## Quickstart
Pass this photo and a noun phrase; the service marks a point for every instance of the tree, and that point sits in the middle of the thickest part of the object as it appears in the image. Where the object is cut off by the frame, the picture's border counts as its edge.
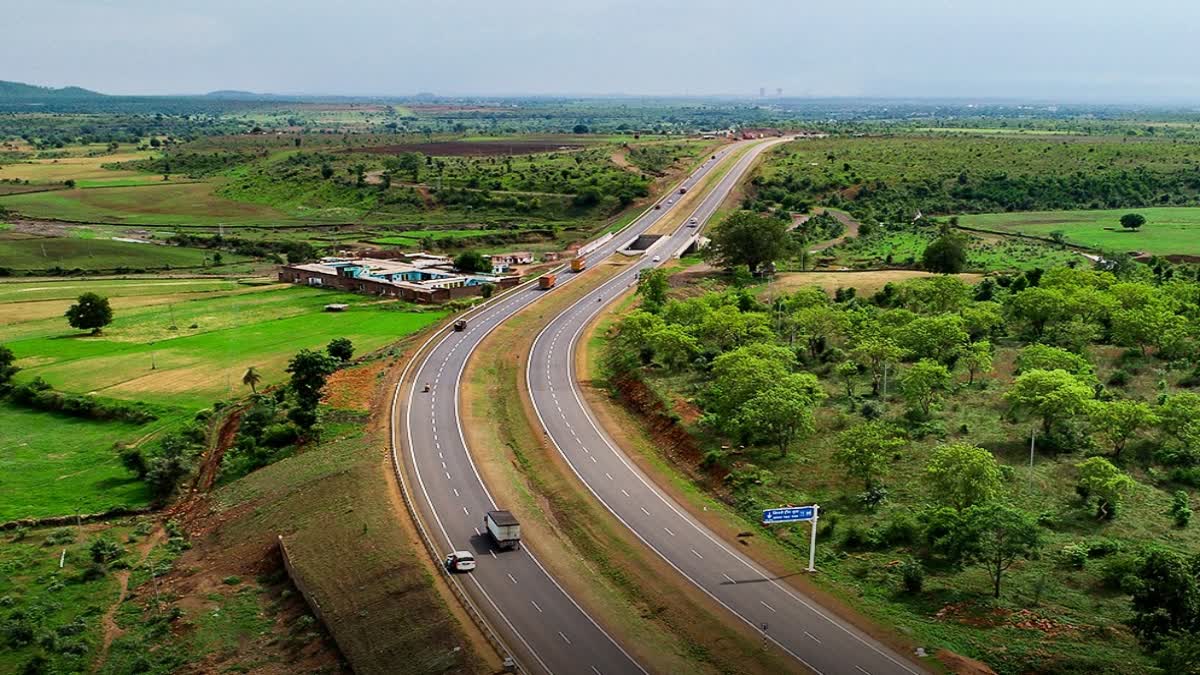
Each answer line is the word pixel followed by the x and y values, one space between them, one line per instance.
pixel 749 239
pixel 471 262
pixel 309 371
pixel 1117 421
pixel 1132 221
pixel 848 371
pixel 359 171
pixel 652 286
pixel 1147 325
pixel 999 535
pixel 1166 598
pixel 673 346
pixel 580 129
pixel 866 450
pixel 945 255
pixel 1037 307
pixel 90 312
pixel 782 411
pixel 962 475
pixel 923 384
pixel 1045 357
pixel 1049 394
pixel 7 369
pixel 340 348
pixel 876 355
pixel 487 290
pixel 1100 479
pixel 940 338
pixel 405 162
pixel 978 359
pixel 251 378
pixel 326 171
pixel 739 375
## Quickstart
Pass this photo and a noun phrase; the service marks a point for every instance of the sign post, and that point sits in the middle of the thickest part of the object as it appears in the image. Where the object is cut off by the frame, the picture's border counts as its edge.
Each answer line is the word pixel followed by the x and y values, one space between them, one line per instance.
pixel 798 514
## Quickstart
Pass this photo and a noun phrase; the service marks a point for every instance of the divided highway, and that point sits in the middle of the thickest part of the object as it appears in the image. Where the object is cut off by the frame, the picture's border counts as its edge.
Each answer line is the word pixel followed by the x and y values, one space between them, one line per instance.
pixel 544 627
pixel 815 637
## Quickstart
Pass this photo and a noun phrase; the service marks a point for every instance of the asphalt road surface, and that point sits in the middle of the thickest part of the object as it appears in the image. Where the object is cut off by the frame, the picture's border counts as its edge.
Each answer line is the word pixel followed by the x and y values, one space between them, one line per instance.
pixel 814 636
pixel 544 627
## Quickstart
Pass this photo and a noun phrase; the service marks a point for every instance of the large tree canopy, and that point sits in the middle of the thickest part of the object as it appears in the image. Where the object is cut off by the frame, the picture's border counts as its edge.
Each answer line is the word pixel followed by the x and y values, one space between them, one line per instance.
pixel 749 239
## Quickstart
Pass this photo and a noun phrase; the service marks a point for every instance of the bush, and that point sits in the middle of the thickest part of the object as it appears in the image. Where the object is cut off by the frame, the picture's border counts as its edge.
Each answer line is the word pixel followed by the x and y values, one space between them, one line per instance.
pixel 37 393
pixel 61 536
pixel 1119 378
pixel 912 575
pixel 280 435
pixel 872 410
pixel 1101 548
pixel 902 530
pixel 873 496
pixel 1074 556
pixel 1119 573
pixel 1181 508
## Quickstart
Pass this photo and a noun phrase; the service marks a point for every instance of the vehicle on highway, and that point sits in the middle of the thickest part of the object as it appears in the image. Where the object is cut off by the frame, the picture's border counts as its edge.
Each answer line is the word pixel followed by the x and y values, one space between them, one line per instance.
pixel 683 191
pixel 670 201
pixel 656 259
pixel 504 529
pixel 460 561
pixel 460 325
pixel 693 222
pixel 657 206
pixel 578 264
pixel 547 281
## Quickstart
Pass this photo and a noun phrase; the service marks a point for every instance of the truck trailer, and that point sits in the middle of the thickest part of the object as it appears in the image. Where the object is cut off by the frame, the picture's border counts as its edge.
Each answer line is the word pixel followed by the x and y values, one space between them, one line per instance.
pixel 578 264
pixel 504 529
pixel 546 281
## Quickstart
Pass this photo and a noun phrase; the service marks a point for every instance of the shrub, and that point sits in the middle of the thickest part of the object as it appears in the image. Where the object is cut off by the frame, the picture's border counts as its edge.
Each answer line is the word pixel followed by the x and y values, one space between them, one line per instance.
pixel 105 550
pixel 280 435
pixel 1119 378
pixel 873 496
pixel 60 536
pixel 232 580
pixel 1074 556
pixel 1119 573
pixel 1101 548
pixel 902 530
pixel 872 410
pixel 912 575
pixel 1181 508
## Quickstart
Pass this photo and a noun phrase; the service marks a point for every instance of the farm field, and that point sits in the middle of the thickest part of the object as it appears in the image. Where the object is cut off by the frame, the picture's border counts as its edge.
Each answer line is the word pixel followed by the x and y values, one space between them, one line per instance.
pixel 85 171
pixel 1168 230
pixel 153 204
pixel 58 465
pixel 140 357
pixel 40 253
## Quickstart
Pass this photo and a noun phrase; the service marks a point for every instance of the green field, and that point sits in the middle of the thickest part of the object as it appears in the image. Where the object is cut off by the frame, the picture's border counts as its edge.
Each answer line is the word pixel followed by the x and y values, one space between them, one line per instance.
pixel 41 253
pixel 140 357
pixel 153 204
pixel 1168 230
pixel 58 465
pixel 984 254
pixel 415 237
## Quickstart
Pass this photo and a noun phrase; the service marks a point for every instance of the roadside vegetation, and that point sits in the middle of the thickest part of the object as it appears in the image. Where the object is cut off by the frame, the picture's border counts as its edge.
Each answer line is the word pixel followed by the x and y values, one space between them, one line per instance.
pixel 919 404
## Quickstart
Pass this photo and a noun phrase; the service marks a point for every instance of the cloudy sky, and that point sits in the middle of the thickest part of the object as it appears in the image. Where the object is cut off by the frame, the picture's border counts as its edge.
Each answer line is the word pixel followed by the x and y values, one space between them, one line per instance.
pixel 1096 50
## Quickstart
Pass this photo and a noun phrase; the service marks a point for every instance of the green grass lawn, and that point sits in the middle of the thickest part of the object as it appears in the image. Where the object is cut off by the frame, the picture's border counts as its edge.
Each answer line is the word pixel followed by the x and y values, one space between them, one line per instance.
pixel 1168 230
pixel 57 465
pixel 43 253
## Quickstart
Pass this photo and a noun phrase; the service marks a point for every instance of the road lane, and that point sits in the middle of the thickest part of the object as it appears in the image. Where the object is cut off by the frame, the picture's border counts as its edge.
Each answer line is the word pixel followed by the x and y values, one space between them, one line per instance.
pixel 814 637
pixel 546 630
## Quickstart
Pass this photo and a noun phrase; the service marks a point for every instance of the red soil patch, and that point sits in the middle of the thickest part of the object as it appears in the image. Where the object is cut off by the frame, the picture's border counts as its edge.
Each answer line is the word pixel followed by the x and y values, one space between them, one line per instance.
pixel 352 388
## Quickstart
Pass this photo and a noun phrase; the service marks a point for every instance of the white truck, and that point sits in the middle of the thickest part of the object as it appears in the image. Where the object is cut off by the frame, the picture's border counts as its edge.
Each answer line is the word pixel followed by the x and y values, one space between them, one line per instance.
pixel 504 529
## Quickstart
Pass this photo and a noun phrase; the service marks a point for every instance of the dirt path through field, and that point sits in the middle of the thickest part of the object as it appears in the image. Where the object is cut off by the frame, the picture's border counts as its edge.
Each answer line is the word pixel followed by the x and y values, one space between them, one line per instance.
pixel 111 630
pixel 850 224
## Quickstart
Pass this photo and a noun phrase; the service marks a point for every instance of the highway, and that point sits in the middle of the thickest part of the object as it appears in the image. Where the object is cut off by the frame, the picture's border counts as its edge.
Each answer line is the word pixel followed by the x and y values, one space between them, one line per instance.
pixel 815 637
pixel 545 629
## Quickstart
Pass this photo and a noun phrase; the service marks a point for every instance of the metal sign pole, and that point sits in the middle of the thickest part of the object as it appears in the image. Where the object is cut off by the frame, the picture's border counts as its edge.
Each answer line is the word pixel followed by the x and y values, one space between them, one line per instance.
pixel 812 542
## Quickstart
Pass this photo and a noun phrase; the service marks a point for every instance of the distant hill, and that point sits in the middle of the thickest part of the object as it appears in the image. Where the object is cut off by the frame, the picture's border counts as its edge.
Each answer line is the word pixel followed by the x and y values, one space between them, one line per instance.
pixel 19 90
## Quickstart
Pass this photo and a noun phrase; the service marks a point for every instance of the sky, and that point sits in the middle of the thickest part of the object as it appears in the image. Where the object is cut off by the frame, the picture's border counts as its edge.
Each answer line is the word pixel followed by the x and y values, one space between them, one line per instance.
pixel 1061 50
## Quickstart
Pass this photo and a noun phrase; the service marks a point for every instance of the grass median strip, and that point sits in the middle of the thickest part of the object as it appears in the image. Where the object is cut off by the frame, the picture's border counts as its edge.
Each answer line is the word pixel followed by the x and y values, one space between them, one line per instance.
pixel 664 621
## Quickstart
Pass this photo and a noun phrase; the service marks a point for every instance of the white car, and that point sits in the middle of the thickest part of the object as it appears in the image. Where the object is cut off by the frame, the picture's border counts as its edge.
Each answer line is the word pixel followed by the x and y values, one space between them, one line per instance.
pixel 670 201
pixel 656 259
pixel 460 561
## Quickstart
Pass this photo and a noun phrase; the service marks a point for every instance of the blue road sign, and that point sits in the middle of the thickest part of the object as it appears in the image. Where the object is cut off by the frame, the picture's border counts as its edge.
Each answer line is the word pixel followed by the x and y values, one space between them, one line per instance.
pixel 790 514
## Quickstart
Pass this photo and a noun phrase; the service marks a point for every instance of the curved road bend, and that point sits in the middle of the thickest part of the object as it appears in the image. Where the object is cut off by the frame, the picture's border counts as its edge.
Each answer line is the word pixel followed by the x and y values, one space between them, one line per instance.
pixel 814 636
pixel 545 628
